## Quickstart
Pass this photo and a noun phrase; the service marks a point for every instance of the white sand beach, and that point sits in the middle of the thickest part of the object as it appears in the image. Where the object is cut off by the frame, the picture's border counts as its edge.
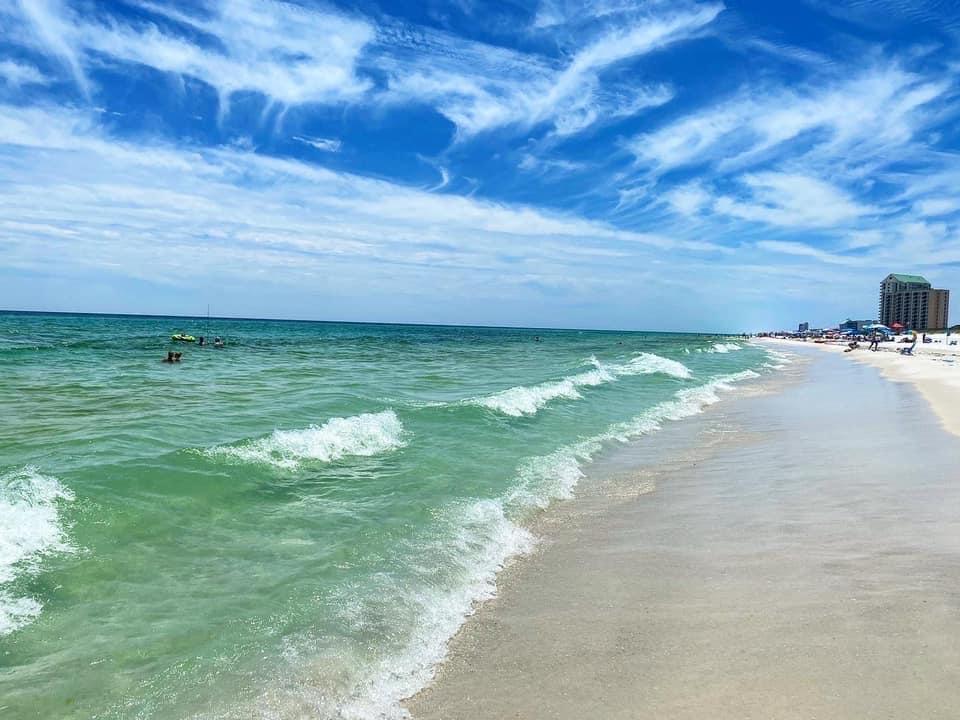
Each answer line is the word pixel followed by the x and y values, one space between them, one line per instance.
pixel 933 369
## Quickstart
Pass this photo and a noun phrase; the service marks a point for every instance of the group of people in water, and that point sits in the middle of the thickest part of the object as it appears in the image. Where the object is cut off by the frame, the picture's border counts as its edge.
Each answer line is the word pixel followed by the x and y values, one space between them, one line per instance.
pixel 175 357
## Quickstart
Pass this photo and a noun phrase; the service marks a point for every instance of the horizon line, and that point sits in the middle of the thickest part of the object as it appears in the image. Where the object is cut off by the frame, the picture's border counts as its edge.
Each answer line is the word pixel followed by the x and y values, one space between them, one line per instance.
pixel 352 322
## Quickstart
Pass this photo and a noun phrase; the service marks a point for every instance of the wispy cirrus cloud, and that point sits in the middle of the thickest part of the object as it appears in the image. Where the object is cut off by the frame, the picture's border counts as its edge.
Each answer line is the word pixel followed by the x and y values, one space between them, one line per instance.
pixel 794 201
pixel 937 206
pixel 152 211
pixel 322 144
pixel 288 53
pixel 855 120
pixel 274 49
pixel 480 88
pixel 17 74
pixel 44 23
pixel 850 160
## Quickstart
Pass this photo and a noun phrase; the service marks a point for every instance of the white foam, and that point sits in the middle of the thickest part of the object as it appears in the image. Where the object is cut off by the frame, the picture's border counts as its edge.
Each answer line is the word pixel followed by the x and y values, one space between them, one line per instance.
pixel 30 527
pixel 724 347
pixel 522 400
pixel 781 360
pixel 359 435
pixel 527 400
pixel 477 539
pixel 543 479
pixel 648 364
pixel 460 559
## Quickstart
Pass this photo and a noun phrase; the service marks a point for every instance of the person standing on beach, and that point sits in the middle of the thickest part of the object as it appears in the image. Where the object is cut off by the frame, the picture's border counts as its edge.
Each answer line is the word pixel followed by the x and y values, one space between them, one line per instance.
pixel 875 341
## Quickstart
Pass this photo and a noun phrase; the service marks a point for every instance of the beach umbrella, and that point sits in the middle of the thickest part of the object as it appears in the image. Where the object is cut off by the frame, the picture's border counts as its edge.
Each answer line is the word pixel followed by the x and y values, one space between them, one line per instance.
pixel 877 326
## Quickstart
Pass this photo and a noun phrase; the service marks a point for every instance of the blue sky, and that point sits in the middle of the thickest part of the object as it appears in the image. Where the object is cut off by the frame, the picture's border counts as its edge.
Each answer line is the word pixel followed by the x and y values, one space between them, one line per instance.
pixel 647 165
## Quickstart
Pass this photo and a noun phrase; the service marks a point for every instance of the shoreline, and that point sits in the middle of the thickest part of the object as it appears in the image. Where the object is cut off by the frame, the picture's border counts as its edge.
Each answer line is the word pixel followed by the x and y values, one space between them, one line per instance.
pixel 933 371
pixel 626 610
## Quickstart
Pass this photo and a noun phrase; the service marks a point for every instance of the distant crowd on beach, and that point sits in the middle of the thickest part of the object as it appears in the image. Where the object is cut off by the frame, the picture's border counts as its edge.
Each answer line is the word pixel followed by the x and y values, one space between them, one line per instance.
pixel 904 343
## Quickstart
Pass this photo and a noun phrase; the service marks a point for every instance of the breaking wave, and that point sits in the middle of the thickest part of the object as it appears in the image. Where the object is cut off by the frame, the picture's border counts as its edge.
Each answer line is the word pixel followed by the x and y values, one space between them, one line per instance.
pixel 528 399
pixel 721 348
pixel 30 527
pixel 359 435
pixel 543 479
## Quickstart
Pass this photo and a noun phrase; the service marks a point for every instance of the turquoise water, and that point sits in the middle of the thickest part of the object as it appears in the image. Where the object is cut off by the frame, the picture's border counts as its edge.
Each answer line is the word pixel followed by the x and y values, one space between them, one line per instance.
pixel 294 525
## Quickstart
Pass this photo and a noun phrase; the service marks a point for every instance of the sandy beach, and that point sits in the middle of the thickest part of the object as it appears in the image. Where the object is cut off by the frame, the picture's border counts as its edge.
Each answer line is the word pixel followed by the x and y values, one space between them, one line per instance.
pixel 933 369
pixel 788 554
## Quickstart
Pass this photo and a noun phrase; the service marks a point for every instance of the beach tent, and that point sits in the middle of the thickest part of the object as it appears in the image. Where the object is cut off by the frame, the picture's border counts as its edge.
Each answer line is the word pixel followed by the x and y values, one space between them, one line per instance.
pixel 897 327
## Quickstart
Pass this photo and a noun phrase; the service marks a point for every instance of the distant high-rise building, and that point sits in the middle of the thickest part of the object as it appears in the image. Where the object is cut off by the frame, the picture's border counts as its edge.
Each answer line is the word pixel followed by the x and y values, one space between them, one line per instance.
pixel 910 301
pixel 803 327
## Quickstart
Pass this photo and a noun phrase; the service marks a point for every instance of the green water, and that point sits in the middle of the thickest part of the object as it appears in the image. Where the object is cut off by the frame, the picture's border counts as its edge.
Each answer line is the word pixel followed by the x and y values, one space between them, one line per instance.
pixel 293 525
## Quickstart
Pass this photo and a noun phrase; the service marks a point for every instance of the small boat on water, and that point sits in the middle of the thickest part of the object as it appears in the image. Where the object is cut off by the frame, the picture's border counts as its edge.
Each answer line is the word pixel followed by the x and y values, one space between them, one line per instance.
pixel 182 337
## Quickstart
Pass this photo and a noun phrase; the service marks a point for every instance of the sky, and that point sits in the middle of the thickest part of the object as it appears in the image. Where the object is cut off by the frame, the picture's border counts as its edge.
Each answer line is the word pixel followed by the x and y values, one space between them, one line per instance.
pixel 655 164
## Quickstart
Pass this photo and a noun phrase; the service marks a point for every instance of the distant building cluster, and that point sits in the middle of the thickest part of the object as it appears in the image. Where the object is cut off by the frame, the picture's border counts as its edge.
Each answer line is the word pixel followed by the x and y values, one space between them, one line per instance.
pixel 907 303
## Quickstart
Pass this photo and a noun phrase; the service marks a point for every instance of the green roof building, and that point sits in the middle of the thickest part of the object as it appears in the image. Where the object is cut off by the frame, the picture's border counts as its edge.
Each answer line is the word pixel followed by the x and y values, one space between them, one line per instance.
pixel 910 301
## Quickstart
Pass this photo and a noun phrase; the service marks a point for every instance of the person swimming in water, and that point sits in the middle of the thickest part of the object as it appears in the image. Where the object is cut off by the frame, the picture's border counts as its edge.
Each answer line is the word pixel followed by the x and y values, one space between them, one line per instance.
pixel 177 356
pixel 169 357
pixel 218 342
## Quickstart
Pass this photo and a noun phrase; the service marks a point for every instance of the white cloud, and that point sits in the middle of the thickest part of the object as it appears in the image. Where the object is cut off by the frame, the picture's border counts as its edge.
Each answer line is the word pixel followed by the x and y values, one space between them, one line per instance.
pixel 687 199
pixel 45 20
pixel 480 88
pixel 17 74
pixel 865 239
pixel 323 144
pixel 77 201
pixel 533 163
pixel 857 120
pixel 288 53
pixel 293 55
pixel 937 206
pixel 793 201
pixel 803 250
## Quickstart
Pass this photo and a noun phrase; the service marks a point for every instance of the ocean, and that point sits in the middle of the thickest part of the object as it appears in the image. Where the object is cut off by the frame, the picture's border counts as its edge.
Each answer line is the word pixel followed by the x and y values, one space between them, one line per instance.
pixel 293 525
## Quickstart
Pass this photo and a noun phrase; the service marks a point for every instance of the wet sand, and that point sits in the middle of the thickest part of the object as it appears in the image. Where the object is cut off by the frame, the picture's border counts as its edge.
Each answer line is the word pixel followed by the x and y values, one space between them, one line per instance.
pixel 798 556
pixel 933 369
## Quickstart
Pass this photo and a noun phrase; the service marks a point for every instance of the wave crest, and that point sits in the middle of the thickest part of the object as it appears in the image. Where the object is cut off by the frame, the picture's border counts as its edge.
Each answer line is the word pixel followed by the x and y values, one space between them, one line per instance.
pixel 648 364
pixel 359 435
pixel 528 399
pixel 721 348
pixel 545 478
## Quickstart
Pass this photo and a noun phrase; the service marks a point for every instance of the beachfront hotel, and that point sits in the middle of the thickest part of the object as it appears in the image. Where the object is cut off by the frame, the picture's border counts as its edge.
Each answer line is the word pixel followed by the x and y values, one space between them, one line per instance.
pixel 913 303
